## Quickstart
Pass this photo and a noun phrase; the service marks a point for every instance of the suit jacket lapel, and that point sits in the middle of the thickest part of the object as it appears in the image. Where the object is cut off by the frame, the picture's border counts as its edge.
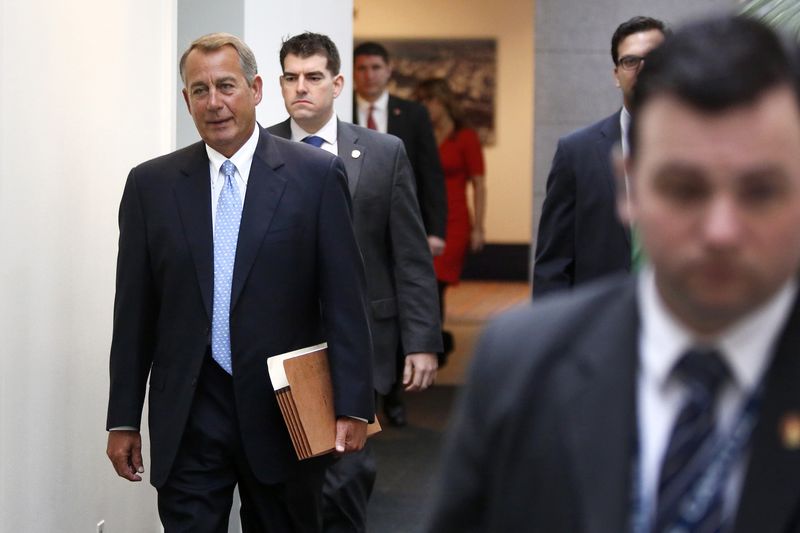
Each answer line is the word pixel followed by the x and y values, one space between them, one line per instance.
pixel 351 153
pixel 610 134
pixel 771 493
pixel 600 405
pixel 394 119
pixel 282 129
pixel 264 191
pixel 193 195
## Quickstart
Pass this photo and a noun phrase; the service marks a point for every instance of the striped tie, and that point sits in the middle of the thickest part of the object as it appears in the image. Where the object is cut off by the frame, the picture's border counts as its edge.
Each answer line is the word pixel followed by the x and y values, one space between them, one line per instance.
pixel 690 448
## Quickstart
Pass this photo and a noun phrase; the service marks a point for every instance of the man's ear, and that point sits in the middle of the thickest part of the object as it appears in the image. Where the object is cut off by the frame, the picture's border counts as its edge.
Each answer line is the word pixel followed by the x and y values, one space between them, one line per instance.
pixel 186 99
pixel 256 88
pixel 338 85
pixel 625 186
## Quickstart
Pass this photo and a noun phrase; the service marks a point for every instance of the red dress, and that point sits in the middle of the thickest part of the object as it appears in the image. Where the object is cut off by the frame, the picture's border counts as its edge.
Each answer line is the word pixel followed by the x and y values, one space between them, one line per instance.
pixel 461 158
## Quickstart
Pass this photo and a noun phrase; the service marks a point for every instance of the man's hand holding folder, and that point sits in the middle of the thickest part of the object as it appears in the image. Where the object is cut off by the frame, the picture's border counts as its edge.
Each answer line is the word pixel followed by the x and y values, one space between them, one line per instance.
pixel 302 383
pixel 351 435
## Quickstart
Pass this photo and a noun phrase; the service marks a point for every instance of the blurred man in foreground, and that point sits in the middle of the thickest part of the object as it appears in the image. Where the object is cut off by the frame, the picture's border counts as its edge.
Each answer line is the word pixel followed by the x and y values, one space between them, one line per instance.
pixel 667 401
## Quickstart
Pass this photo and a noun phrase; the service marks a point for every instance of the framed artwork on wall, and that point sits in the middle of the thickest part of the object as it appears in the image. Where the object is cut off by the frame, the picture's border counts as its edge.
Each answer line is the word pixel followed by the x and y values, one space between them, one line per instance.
pixel 469 66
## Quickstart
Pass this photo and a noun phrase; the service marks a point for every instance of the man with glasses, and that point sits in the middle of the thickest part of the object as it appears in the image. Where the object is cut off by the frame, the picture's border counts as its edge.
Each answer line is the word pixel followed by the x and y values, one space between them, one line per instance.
pixel 580 236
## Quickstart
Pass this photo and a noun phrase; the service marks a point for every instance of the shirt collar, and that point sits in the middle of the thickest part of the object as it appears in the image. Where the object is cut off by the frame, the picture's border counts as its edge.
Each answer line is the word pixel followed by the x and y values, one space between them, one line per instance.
pixel 242 159
pixel 624 126
pixel 747 346
pixel 381 104
pixel 328 132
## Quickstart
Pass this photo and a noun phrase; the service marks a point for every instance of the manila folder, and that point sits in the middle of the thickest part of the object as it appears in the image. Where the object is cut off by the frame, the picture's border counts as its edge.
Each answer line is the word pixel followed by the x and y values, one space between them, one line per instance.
pixel 302 382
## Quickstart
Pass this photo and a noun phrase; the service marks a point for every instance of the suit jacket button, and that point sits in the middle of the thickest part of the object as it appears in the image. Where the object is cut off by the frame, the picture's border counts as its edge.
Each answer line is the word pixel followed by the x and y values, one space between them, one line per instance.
pixel 194 382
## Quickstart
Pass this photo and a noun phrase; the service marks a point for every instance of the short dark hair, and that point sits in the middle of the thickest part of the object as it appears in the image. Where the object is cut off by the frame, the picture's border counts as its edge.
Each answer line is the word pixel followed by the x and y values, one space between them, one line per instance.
pixel 631 26
pixel 308 44
pixel 714 65
pixel 371 48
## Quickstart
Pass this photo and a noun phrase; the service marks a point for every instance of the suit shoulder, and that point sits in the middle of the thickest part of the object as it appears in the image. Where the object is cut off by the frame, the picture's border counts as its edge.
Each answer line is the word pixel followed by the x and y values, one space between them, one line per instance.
pixel 172 160
pixel 408 106
pixel 585 133
pixel 280 129
pixel 536 331
pixel 367 136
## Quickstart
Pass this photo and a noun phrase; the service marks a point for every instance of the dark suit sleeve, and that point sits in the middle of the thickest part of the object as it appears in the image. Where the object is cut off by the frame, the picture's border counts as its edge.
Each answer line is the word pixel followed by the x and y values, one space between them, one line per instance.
pixel 554 267
pixel 430 182
pixel 464 488
pixel 342 291
pixel 135 314
pixel 418 306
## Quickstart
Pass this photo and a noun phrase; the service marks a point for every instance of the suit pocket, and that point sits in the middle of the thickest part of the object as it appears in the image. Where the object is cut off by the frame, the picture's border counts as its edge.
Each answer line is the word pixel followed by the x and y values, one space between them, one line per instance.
pixel 283 234
pixel 385 308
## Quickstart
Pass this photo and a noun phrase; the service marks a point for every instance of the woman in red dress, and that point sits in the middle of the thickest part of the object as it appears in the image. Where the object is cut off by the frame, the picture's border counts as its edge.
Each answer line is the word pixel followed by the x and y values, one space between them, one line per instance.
pixel 462 162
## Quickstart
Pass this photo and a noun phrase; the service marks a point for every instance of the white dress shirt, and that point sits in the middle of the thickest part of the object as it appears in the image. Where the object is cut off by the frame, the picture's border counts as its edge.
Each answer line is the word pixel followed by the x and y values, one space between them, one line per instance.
pixel 242 159
pixel 380 111
pixel 747 348
pixel 328 133
pixel 624 126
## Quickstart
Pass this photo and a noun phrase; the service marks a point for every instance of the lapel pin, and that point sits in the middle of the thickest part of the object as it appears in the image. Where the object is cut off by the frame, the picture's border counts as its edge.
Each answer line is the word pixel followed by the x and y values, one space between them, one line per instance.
pixel 355 154
pixel 790 431
pixel 396 111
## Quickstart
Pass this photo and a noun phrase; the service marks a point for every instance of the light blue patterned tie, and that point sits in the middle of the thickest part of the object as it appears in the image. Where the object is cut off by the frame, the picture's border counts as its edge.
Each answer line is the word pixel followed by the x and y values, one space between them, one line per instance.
pixel 226 233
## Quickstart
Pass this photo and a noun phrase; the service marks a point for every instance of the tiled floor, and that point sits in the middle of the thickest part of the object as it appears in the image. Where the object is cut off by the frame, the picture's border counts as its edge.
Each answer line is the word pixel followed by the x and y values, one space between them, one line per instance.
pixel 468 306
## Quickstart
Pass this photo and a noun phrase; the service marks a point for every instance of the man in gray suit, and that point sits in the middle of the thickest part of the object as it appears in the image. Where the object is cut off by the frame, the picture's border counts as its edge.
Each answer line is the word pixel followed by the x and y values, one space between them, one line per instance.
pixel 401 284
pixel 666 401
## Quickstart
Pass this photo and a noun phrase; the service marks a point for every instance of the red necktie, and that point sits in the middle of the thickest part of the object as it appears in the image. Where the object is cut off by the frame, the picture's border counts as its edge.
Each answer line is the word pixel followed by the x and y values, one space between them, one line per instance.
pixel 371 120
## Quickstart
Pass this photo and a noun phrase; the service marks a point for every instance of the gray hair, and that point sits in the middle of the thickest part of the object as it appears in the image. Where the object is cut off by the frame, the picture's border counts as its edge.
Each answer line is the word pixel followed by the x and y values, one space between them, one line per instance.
pixel 215 41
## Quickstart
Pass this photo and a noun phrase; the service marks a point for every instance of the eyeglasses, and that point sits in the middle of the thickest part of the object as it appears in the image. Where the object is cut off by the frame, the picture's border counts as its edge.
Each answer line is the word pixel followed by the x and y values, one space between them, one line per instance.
pixel 630 62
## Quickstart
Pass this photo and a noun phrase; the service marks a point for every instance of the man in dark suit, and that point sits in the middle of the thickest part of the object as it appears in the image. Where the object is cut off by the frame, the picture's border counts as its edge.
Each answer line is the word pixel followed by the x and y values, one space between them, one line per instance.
pixel 401 285
pixel 231 250
pixel 666 401
pixel 580 236
pixel 376 109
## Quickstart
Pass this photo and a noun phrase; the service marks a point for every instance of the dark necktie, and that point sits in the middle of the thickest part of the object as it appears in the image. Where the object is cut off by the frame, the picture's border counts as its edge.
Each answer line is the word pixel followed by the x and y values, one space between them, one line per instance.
pixel 371 124
pixel 689 450
pixel 313 140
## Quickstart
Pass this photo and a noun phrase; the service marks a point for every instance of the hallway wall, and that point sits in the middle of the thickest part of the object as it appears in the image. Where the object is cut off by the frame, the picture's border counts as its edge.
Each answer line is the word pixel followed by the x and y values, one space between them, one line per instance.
pixel 85 93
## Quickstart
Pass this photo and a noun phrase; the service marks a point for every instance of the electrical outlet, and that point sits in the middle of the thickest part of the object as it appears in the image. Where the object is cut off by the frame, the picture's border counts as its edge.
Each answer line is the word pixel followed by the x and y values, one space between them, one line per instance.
pixel 101 526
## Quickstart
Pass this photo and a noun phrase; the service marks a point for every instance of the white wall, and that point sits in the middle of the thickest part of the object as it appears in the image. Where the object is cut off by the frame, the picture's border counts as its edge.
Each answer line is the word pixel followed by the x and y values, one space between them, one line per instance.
pixel 85 93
